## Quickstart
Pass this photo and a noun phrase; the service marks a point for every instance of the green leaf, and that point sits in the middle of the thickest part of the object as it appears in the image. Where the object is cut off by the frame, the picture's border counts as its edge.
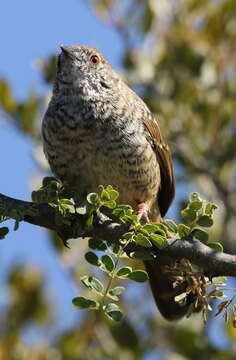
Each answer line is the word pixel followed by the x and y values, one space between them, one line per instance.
pixel 47 180
pixel 189 215
pixel 124 272
pixel 183 230
pixel 159 240
pixel 151 228
pixel 114 248
pixel 142 240
pixel 108 262
pixel 97 244
pixel 54 185
pixel 219 280
pixel 195 205
pixel 200 235
pixel 68 205
pixel 3 232
pixel 216 246
pixel 129 236
pixel 221 306
pixel 113 312
pixel 89 221
pixel 141 255
pixel 92 198
pixel 154 228
pixel 66 202
pixel 194 196
pixel 205 221
pixel 131 219
pixel 81 210
pixel 104 195
pixel 209 209
pixel 138 275
pixel 92 283
pixel 116 292
pixel 113 194
pixel 171 226
pixel 122 210
pixel 108 188
pixel 92 258
pixel 85 303
pixel 162 230
pixel 218 295
pixel 111 204
pixel 140 229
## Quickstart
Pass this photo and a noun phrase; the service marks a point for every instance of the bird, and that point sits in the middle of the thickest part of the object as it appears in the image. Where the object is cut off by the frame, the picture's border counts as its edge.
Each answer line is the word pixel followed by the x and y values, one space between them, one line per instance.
pixel 98 131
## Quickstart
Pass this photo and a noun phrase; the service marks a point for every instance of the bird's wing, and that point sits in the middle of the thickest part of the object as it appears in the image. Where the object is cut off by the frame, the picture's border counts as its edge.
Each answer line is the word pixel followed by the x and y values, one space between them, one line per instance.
pixel 167 188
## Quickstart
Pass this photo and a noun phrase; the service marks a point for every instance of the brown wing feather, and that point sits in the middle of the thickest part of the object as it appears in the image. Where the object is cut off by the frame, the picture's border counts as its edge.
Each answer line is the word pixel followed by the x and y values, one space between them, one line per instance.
pixel 161 283
pixel 167 189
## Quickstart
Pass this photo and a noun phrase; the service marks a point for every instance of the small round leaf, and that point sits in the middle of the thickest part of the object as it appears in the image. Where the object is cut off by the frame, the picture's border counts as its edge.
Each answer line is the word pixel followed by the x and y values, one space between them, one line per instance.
pixel 92 283
pixel 92 258
pixel 171 226
pixel 138 275
pixel 3 232
pixel 108 262
pixel 113 194
pixel 215 246
pixel 200 235
pixel 189 215
pixel 205 221
pixel 195 205
pixel 194 196
pixel 159 240
pixel 92 198
pixel 183 230
pixel 142 240
pixel 85 303
pixel 124 272
pixel 209 208
pixel 116 292
pixel 97 244
pixel 113 312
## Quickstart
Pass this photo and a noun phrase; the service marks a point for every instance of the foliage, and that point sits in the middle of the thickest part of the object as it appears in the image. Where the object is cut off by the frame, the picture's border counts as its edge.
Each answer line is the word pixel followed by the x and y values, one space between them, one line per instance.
pixel 197 215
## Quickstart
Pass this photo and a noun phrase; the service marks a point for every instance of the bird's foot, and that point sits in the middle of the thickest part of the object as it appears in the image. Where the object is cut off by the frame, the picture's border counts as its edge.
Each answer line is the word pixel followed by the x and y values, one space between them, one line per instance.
pixel 142 210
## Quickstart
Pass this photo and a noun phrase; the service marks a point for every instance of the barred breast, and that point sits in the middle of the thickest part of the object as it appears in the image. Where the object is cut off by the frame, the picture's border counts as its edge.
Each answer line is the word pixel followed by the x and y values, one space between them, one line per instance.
pixel 84 153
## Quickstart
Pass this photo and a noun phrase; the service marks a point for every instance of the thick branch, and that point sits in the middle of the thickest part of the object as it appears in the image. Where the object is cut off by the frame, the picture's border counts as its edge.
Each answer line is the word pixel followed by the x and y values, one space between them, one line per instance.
pixel 215 263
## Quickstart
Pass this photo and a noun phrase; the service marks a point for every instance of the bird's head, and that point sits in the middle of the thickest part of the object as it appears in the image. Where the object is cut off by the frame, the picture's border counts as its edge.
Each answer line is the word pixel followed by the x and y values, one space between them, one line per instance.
pixel 84 68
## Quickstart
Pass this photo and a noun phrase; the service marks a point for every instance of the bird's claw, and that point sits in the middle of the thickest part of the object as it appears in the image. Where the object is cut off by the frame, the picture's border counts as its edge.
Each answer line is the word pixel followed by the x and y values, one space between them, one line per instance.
pixel 142 210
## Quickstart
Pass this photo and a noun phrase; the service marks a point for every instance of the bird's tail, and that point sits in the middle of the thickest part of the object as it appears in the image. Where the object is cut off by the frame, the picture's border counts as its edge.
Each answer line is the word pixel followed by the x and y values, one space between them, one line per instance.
pixel 164 290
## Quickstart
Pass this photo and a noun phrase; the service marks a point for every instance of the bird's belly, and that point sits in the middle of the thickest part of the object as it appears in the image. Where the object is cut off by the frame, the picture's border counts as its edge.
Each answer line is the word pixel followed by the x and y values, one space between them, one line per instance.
pixel 130 167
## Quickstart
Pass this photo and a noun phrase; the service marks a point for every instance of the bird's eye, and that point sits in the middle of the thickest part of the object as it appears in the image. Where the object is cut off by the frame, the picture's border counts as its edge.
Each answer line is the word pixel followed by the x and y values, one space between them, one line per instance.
pixel 94 59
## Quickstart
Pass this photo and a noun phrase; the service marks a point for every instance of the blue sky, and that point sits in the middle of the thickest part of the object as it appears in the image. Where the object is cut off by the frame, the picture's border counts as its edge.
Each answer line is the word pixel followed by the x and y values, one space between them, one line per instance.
pixel 33 30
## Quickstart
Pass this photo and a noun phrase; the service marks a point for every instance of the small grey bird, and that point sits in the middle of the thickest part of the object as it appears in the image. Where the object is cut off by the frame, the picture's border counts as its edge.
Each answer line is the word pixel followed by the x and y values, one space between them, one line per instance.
pixel 97 131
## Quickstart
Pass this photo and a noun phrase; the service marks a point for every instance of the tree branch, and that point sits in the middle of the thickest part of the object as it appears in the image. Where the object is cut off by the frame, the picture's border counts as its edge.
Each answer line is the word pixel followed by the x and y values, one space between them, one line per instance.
pixel 212 262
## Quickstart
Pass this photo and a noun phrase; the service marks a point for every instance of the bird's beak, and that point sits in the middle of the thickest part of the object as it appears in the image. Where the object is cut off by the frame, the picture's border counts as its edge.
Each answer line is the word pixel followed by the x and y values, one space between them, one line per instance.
pixel 67 51
pixel 64 49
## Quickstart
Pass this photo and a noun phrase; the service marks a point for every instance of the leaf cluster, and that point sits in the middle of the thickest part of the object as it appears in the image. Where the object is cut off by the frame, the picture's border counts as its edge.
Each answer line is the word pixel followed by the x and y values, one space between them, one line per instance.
pixel 108 263
pixel 149 237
